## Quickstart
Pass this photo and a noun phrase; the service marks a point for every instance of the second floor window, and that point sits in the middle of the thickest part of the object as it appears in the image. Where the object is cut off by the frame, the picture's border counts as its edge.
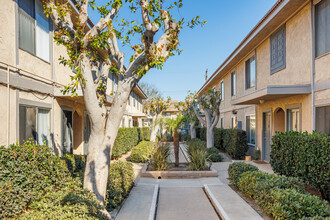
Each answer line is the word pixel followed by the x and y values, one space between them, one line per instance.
pixel 233 83
pixel 222 90
pixel 250 73
pixel 277 50
pixel 134 100
pixel 322 28
pixel 34 28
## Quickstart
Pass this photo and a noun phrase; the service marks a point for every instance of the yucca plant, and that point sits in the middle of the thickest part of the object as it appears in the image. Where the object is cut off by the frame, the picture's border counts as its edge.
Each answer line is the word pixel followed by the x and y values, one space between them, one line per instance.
pixel 198 159
pixel 160 158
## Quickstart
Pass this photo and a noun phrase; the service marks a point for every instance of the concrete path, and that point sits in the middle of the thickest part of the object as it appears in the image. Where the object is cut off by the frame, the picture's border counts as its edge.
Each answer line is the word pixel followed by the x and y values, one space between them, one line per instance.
pixel 182 158
pixel 184 203
pixel 141 203
pixel 230 204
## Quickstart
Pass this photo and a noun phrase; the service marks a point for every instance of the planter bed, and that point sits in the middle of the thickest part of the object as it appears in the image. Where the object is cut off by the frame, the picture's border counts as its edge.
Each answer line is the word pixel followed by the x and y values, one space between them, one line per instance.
pixel 177 173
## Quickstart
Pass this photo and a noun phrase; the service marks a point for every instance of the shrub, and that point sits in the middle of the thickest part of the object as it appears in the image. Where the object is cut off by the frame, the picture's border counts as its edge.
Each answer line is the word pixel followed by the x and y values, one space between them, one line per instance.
pixel 235 142
pixel 203 134
pixel 141 152
pixel 218 138
pixel 126 139
pixel 195 144
pixel 257 154
pixel 160 157
pixel 236 169
pixel 305 156
pixel 184 137
pixel 120 181
pixel 197 159
pixel 279 196
pixel 144 134
pixel 33 178
pixel 213 155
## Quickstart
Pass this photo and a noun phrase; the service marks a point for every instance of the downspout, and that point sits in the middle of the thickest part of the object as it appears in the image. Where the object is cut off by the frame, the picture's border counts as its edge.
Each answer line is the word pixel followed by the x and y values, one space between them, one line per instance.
pixel 313 63
pixel 8 104
pixel 52 136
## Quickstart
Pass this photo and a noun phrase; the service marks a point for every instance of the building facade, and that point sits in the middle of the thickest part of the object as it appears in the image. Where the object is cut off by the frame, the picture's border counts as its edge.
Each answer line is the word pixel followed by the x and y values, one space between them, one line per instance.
pixel 32 79
pixel 278 78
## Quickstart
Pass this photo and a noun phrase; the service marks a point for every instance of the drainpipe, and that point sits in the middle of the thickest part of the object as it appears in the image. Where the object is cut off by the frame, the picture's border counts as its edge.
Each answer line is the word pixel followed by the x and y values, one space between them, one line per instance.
pixel 8 105
pixel 313 63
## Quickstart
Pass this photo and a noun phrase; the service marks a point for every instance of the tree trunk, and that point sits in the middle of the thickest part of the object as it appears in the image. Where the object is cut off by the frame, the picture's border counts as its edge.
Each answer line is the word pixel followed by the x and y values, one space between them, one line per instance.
pixel 209 137
pixel 154 130
pixel 192 130
pixel 176 147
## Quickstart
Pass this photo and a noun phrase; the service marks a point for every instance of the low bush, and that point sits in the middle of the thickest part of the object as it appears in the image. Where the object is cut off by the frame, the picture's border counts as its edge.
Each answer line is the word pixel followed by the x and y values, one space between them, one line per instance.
pixel 213 155
pixel 305 156
pixel 195 144
pixel 235 142
pixel 196 151
pixel 35 183
pixel 257 154
pixel 160 157
pixel 120 181
pixel 184 137
pixel 126 139
pixel 144 134
pixel 141 152
pixel 279 196
pixel 236 169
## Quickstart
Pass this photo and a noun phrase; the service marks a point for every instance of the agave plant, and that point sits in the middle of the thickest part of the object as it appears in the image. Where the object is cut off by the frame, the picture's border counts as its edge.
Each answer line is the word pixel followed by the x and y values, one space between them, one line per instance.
pixel 160 157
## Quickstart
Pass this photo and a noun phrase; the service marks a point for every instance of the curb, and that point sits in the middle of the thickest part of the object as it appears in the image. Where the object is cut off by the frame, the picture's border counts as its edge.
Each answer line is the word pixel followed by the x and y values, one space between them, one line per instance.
pixel 153 207
pixel 215 203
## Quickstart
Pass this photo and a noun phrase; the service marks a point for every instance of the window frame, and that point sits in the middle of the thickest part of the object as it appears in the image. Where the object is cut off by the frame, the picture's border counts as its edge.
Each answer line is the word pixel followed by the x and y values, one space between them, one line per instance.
pixel 233 87
pixel 275 37
pixel 248 62
pixel 317 108
pixel 316 40
pixel 287 119
pixel 255 128
pixel 222 90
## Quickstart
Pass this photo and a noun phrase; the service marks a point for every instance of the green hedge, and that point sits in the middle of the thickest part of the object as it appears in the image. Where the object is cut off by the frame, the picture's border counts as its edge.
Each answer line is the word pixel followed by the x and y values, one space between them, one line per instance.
pixel 305 156
pixel 184 137
pixel 235 142
pixel 126 139
pixel 235 170
pixel 218 138
pixel 279 196
pixel 36 184
pixel 144 134
pixel 141 152
pixel 213 155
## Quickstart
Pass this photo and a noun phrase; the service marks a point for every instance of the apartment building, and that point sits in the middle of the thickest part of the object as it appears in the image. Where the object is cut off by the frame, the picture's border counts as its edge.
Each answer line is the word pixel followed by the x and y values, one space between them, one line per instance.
pixel 278 78
pixel 31 80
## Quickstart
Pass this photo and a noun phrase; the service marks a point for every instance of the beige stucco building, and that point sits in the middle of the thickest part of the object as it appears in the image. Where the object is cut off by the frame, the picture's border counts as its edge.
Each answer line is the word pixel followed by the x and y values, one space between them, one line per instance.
pixel 278 78
pixel 31 80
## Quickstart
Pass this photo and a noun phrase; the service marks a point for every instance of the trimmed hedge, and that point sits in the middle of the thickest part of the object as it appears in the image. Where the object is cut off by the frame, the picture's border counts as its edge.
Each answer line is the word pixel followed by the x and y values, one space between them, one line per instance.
pixel 141 152
pixel 36 184
pixel 184 137
pixel 235 142
pixel 305 156
pixel 279 196
pixel 144 134
pixel 126 139
pixel 213 155
pixel 235 170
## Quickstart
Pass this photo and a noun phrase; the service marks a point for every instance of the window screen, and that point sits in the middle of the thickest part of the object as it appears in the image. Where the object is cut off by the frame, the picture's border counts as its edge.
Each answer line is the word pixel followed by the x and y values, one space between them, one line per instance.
pixel 251 129
pixel 323 119
pixel 277 50
pixel 27 124
pixel 322 27
pixel 250 73
pixel 233 83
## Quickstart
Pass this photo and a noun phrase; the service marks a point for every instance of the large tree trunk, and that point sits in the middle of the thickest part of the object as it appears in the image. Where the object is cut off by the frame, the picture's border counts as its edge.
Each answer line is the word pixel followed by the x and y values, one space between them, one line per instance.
pixel 154 130
pixel 176 147
pixel 192 130
pixel 209 137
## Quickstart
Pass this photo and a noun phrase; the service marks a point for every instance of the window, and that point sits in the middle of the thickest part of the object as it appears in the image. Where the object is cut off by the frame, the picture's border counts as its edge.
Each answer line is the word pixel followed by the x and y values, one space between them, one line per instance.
pixel 34 123
pixel 322 28
pixel 277 50
pixel 221 122
pixel 250 73
pixel 293 119
pixel 323 119
pixel 114 82
pixel 222 90
pixel 251 129
pixel 129 99
pixel 234 122
pixel 123 123
pixel 134 99
pixel 233 83
pixel 34 28
pixel 129 122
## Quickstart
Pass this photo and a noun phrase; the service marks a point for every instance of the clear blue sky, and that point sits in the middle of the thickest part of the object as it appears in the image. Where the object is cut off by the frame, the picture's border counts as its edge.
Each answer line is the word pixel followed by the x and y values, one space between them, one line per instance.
pixel 228 22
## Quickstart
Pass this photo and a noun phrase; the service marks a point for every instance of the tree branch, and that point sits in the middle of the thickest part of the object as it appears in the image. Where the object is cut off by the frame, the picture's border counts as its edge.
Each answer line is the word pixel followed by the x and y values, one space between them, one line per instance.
pixel 198 116
pixel 100 26
pixel 83 14
pixel 151 27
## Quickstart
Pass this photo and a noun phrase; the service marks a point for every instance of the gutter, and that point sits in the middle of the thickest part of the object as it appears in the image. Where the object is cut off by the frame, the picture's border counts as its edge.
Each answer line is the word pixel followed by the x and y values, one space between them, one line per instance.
pixel 313 63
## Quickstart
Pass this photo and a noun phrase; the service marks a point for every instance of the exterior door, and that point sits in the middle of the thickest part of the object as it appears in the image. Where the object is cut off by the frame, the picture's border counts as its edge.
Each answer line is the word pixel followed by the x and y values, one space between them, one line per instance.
pixel 87 132
pixel 67 132
pixel 266 134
